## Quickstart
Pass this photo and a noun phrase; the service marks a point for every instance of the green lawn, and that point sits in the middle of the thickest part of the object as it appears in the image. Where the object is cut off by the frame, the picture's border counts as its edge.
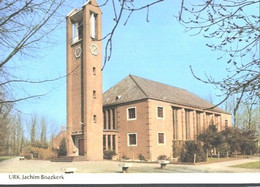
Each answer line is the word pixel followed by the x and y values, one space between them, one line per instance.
pixel 2 158
pixel 250 165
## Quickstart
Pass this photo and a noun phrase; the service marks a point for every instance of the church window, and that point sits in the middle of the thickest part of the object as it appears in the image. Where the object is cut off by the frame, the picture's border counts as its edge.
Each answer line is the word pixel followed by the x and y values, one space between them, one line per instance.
pixel 77 33
pixel 94 94
pixel 187 124
pixel 95 118
pixel 131 113
pixel 114 142
pixel 161 138
pixel 104 142
pixel 132 139
pixel 93 25
pixel 160 112
pixel 109 142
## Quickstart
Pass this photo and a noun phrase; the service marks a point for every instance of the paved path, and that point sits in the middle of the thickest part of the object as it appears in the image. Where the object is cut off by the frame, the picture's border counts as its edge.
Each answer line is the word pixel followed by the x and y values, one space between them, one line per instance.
pixel 40 166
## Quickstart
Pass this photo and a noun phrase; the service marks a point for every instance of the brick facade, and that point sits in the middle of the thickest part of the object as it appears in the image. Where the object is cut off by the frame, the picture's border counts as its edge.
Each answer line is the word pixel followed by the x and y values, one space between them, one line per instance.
pixel 84 82
pixel 139 116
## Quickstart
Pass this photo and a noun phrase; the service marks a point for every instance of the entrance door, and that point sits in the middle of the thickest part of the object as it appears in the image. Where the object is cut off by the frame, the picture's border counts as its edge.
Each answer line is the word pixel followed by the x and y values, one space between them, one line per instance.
pixel 81 147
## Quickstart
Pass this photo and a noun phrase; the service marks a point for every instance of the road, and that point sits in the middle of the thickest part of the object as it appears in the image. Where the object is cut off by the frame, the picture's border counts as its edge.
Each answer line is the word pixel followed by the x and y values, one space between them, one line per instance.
pixel 40 166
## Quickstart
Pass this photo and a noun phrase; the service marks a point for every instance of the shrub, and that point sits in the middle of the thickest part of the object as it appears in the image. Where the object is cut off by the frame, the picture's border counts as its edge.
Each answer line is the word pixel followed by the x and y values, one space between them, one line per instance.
pixel 162 157
pixel 177 147
pixel 141 157
pixel 62 151
pixel 223 149
pixel 30 152
pixel 42 145
pixel 46 154
pixel 124 157
pixel 27 156
pixel 108 154
pixel 189 149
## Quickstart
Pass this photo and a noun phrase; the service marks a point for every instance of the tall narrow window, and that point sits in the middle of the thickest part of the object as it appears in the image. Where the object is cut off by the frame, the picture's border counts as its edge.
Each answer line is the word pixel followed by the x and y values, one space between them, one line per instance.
pixel 114 118
pixel 187 124
pixel 198 129
pixel 105 119
pixel 114 143
pixel 132 139
pixel 160 112
pixel 160 138
pixel 104 142
pixel 94 94
pixel 80 30
pixel 175 123
pixel 95 118
pixel 93 25
pixel 75 33
pixel 109 141
pixel 109 119
pixel 94 71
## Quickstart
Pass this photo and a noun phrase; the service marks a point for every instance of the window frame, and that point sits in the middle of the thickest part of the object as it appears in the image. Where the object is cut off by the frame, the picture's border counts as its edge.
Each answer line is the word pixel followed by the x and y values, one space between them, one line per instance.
pixel 127 113
pixel 128 139
pixel 163 113
pixel 164 140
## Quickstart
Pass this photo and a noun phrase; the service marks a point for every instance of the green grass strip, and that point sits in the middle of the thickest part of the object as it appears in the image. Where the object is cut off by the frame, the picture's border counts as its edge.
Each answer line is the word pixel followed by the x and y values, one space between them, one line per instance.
pixel 250 165
pixel 2 158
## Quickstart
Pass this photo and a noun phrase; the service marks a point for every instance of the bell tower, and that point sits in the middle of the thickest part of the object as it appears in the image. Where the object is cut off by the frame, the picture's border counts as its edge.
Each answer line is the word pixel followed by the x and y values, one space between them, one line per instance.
pixel 84 82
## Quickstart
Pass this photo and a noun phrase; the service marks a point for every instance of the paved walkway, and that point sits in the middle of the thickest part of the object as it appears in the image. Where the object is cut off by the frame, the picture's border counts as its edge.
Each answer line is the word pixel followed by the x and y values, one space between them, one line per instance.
pixel 40 166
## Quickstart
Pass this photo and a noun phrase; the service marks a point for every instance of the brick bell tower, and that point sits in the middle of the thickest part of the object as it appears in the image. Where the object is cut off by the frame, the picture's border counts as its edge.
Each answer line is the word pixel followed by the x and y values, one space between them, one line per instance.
pixel 84 82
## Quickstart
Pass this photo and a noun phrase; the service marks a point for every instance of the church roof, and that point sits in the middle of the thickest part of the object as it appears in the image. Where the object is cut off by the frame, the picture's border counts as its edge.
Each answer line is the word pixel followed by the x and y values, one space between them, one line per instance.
pixel 134 88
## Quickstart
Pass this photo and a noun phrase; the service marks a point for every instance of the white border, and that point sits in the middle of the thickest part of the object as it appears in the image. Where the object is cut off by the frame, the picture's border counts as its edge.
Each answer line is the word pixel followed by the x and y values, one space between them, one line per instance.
pixel 127 114
pixel 128 139
pixel 140 178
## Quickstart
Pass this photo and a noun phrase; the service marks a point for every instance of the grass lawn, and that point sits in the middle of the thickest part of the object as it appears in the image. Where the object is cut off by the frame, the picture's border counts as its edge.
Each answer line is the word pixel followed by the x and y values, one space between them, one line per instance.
pixel 250 165
pixel 2 158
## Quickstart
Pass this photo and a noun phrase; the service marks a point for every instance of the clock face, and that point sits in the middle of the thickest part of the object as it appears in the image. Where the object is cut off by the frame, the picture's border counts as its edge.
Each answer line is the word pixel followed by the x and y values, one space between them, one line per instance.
pixel 93 49
pixel 77 52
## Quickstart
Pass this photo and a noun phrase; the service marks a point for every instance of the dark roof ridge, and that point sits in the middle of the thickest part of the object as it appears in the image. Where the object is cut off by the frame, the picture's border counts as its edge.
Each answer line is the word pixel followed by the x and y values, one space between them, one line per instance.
pixel 131 76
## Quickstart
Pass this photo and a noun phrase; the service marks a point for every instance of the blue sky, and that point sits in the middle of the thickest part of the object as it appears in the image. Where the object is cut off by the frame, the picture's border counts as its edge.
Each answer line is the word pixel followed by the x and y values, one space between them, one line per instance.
pixel 158 50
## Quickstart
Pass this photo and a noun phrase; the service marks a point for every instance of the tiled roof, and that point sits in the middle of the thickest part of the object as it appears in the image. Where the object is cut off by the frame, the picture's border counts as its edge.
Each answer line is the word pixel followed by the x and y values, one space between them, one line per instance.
pixel 134 88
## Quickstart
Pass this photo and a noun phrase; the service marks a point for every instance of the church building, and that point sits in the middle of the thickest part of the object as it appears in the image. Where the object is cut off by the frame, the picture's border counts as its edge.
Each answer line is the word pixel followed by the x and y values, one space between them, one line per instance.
pixel 137 115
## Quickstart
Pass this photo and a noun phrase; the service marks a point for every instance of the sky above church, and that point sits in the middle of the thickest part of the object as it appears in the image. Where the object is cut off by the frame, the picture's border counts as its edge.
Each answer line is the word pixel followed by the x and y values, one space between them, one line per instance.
pixel 158 50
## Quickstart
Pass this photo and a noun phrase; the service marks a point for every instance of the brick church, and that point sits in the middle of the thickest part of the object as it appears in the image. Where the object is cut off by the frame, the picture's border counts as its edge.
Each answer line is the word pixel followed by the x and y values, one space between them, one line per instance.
pixel 137 115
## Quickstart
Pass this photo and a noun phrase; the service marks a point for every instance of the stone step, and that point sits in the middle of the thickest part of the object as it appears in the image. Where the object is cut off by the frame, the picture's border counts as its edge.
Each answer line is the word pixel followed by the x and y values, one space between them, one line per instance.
pixel 69 159
pixel 62 159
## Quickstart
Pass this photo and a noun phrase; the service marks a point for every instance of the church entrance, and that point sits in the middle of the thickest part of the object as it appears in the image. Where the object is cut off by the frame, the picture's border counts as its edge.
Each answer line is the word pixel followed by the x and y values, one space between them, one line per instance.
pixel 81 147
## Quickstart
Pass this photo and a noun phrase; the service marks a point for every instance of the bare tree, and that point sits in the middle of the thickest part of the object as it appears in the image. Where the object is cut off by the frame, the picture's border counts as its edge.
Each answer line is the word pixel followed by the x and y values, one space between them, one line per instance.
pixel 43 138
pixel 250 115
pixel 234 26
pixel 32 125
pixel 23 25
